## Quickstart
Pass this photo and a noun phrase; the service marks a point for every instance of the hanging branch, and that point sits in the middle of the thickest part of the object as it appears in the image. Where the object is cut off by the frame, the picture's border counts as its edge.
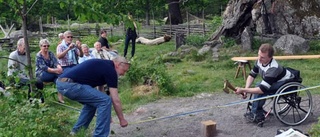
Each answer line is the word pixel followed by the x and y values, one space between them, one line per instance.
pixel 31 7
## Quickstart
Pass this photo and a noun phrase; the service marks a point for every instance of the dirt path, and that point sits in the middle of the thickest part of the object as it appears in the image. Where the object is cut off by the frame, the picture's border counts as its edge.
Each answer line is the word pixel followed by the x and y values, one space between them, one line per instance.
pixel 230 120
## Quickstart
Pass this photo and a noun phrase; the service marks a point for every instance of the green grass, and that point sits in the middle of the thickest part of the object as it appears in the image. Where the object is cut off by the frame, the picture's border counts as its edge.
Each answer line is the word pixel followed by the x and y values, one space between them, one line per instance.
pixel 188 78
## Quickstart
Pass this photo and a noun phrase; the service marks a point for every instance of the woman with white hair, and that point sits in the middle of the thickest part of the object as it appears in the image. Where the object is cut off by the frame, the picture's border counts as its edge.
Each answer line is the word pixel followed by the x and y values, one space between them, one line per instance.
pixel 86 54
pixel 47 67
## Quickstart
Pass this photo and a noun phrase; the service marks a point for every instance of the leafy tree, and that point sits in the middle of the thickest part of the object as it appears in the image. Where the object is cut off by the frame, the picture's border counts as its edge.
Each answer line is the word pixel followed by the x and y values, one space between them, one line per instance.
pixel 19 7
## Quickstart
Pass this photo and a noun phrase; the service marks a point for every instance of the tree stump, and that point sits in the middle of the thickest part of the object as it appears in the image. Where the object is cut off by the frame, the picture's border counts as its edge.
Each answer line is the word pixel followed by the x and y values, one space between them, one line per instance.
pixel 208 128
pixel 180 40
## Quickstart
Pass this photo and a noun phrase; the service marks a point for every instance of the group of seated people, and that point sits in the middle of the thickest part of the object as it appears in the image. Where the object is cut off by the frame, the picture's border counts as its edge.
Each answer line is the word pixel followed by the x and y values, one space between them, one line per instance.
pixel 49 66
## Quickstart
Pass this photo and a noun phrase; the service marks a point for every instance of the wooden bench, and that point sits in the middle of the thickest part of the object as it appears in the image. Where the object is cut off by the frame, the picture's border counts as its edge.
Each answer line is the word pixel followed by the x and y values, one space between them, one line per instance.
pixel 243 61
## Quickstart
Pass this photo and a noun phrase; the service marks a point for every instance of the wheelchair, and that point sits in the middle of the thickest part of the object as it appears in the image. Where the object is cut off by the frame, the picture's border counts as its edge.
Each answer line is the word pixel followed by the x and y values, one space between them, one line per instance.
pixel 291 109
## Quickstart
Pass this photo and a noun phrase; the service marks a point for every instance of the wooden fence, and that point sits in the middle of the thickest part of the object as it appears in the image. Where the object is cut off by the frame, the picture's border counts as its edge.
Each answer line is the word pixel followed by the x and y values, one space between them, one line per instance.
pixel 146 31
pixel 149 32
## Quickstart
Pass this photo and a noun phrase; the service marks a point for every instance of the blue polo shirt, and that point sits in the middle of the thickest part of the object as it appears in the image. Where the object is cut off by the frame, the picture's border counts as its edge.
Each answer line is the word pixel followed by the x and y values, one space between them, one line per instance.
pixel 94 72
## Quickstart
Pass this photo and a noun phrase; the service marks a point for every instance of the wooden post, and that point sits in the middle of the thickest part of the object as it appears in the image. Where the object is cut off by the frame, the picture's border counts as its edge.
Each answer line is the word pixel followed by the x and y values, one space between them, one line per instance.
pixel 111 30
pixel 40 27
pixel 203 23
pixel 170 24
pixel 208 128
pixel 188 23
pixel 55 24
pixel 68 22
pixel 154 26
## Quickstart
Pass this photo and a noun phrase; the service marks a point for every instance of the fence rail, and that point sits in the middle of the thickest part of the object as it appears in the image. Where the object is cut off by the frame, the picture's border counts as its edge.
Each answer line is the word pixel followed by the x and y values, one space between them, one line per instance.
pixel 149 32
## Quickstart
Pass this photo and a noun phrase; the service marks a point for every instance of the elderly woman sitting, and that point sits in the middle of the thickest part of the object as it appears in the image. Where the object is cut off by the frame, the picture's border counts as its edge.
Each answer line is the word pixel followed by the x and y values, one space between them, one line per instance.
pixel 47 66
pixel 86 54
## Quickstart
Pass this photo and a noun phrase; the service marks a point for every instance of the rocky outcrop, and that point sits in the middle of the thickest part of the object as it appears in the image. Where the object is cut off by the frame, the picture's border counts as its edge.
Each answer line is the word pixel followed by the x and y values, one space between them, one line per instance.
pixel 291 44
pixel 297 17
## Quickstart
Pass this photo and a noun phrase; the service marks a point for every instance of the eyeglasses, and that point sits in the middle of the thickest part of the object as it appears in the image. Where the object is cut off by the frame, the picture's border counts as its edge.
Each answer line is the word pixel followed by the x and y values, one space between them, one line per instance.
pixel 69 36
pixel 45 45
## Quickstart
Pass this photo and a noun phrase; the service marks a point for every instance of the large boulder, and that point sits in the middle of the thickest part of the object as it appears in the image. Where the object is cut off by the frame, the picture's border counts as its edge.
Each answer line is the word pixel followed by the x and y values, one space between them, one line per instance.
pixel 19 34
pixel 291 44
pixel 246 40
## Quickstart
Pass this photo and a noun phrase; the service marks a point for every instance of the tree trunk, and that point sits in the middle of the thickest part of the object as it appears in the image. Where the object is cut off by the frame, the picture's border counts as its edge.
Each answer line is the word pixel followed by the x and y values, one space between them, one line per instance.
pixel 148 12
pixel 24 27
pixel 174 11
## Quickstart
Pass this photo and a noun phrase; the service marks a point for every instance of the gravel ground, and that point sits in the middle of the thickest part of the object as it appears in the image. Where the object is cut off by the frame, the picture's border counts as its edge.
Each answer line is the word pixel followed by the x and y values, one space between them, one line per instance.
pixel 230 120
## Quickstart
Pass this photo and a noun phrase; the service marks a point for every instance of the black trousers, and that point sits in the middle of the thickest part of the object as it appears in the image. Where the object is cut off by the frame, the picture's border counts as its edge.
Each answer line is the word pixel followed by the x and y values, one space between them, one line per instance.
pixel 126 44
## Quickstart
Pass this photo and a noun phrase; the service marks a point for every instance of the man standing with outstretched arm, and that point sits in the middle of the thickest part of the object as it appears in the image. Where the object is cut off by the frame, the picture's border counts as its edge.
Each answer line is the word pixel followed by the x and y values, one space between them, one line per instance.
pixel 79 84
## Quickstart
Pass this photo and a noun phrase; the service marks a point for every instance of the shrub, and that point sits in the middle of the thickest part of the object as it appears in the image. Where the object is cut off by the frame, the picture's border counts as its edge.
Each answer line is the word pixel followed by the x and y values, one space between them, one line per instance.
pixel 22 118
pixel 156 71
pixel 196 40
pixel 216 22
pixel 228 42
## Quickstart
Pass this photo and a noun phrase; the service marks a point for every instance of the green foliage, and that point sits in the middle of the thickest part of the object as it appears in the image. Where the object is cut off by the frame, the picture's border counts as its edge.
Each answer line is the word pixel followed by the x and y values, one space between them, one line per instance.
pixel 156 71
pixel 194 56
pixel 196 40
pixel 30 119
pixel 256 44
pixel 315 130
pixel 114 38
pixel 89 40
pixel 228 42
pixel 216 22
pixel 314 46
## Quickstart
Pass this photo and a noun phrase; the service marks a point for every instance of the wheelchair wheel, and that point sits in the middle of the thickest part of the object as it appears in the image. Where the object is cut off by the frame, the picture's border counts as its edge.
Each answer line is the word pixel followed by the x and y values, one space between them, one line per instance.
pixel 292 109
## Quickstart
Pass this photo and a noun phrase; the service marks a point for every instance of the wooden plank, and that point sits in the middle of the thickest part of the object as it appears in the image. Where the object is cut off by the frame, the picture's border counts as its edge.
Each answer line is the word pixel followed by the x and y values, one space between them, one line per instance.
pixel 279 57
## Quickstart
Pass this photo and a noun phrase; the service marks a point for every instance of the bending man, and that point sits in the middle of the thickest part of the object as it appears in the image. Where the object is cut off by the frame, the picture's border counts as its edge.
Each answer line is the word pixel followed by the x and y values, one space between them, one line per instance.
pixel 79 84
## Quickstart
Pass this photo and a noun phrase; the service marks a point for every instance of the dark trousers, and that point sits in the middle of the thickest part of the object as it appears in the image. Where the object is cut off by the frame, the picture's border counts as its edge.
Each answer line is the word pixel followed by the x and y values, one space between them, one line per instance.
pixel 126 44
pixel 39 86
pixel 257 106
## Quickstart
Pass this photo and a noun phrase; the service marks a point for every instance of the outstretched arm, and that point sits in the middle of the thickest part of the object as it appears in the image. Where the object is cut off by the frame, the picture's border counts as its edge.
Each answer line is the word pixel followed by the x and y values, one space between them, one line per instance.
pixel 117 106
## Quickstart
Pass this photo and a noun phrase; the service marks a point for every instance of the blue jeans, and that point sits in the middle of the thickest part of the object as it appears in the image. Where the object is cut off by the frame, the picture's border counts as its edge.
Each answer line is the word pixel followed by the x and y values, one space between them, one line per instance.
pixel 48 77
pixel 67 68
pixel 257 106
pixel 93 100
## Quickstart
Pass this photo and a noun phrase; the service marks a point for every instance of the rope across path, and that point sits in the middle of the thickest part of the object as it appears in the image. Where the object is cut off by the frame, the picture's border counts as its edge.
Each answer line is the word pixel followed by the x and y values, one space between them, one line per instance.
pixel 67 106
pixel 206 109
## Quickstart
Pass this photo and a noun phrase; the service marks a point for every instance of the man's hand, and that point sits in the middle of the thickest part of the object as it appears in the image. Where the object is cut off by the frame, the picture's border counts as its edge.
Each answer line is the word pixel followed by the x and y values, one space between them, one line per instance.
pixel 71 46
pixel 123 123
pixel 241 91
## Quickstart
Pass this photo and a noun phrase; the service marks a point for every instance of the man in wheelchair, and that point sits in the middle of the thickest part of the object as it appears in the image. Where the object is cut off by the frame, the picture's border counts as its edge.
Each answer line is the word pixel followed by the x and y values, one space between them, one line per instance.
pixel 273 76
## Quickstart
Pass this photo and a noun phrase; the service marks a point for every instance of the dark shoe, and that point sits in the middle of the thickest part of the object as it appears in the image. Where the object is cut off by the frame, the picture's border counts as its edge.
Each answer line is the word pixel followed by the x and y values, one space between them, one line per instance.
pixel 252 117
pixel 249 116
